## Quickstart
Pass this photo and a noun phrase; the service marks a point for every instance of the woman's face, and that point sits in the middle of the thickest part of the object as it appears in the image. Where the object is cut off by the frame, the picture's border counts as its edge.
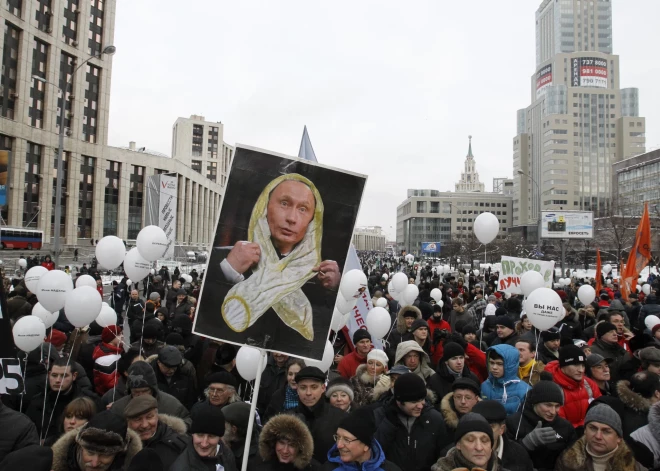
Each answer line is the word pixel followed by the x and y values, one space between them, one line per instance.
pixel 72 422
pixel 375 368
pixel 527 325
pixel 161 316
pixel 291 376
pixel 340 400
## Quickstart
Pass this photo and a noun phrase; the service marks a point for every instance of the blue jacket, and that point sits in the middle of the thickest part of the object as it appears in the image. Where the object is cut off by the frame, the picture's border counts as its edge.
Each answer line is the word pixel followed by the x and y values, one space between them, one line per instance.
pixel 376 463
pixel 508 389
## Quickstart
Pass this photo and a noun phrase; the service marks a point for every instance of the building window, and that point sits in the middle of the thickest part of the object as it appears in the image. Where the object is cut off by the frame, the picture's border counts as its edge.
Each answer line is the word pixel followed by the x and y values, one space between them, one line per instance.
pixel 9 70
pixel 136 196
pixel 67 64
pixel 38 89
pixel 6 143
pixel 65 178
pixel 70 23
pixel 94 45
pixel 196 165
pixel 197 141
pixel 42 15
pixel 212 171
pixel 15 7
pixel 86 197
pixel 421 206
pixel 90 111
pixel 111 202
pixel 31 187
pixel 213 142
pixel 435 207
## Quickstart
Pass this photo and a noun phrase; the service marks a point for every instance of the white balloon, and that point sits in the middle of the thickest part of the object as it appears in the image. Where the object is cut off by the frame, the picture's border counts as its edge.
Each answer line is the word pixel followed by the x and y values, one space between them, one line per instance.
pixel 386 276
pixel 378 322
pixel 530 281
pixel 33 276
pixel 586 294
pixel 83 306
pixel 446 268
pixel 152 243
pixel 608 282
pixel 47 317
pixel 410 294
pixel 106 317
pixel 607 268
pixel 544 308
pixel 110 252
pixel 247 361
pixel 440 303
pixel 475 272
pixel 187 277
pixel 399 282
pixel 651 321
pixel 335 323
pixel 135 266
pixel 381 302
pixel 486 227
pixel 646 289
pixel 152 271
pixel 129 282
pixel 326 362
pixel 29 333
pixel 86 280
pixel 22 263
pixel 436 294
pixel 344 305
pixel 52 289
pixel 352 282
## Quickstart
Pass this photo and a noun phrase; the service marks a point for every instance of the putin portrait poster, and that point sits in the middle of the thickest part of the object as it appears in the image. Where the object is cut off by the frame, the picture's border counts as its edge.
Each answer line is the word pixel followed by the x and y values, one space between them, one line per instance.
pixel 279 250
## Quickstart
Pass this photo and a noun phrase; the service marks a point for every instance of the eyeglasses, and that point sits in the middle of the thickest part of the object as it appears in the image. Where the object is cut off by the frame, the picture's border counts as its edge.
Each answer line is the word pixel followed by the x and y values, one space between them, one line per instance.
pixel 214 391
pixel 347 441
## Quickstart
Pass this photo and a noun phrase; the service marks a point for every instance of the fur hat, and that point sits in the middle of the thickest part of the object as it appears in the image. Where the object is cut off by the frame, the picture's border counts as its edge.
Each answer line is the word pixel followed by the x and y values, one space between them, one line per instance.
pixel 290 428
pixel 105 433
pixel 208 419
pixel 340 384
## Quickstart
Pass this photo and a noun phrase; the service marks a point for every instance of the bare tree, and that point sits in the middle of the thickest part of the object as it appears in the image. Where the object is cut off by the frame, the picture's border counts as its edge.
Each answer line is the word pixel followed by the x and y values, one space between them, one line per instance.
pixel 614 234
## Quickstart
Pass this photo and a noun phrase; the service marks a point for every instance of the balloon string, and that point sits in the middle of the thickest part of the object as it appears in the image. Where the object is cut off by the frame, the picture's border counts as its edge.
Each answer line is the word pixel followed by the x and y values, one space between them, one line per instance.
pixel 43 411
pixel 20 409
pixel 531 372
pixel 144 315
pixel 68 361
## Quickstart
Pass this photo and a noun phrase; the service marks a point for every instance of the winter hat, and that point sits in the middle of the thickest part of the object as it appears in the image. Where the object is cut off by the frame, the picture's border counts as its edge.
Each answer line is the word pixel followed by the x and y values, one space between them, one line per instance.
pixel 182 324
pixel 139 405
pixel 238 414
pixel 426 309
pixel 493 411
pixel 339 384
pixel 500 311
pixel 56 338
pixel 595 359
pixel 146 459
pixel 225 354
pixel 105 433
pixel 361 424
pixel 95 329
pixel 310 372
pixel 170 356
pixel 410 312
pixel 505 321
pixel 141 375
pixel 472 422
pixel 655 329
pixel 418 323
pixel 174 339
pixel 550 334
pixel 451 350
pixel 650 355
pixel 603 328
pixel 571 355
pixel 379 356
pixel 604 414
pixel 221 377
pixel 546 391
pixel 150 331
pixel 208 419
pixel 361 334
pixel 398 370
pixel 468 329
pixel 110 333
pixel 181 292
pixel 35 457
pixel 466 383
pixel 409 388
pixel 154 296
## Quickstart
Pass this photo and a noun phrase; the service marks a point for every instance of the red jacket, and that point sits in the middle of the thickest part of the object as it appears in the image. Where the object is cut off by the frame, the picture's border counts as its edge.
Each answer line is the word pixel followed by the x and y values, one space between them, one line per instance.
pixel 105 367
pixel 349 364
pixel 48 265
pixel 100 290
pixel 577 396
pixel 437 350
pixel 476 361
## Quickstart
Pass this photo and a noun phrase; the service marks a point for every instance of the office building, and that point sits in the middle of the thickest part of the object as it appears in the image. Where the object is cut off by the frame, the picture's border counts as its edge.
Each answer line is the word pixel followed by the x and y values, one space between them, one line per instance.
pixel 580 121
pixel 635 181
pixel 52 45
pixel 369 238
pixel 503 185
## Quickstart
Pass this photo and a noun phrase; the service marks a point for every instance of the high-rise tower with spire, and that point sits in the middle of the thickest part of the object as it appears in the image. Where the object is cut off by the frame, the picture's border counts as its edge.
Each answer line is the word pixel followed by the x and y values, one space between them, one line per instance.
pixel 469 178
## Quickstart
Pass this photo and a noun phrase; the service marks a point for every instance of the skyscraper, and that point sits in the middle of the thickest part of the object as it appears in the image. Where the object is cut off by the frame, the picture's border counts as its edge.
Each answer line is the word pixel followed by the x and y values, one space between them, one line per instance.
pixel 470 177
pixel 580 121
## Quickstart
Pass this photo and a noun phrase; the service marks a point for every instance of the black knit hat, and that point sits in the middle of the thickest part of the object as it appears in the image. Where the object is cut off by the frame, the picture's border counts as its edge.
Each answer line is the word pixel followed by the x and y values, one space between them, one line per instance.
pixel 500 311
pixel 550 334
pixel 603 328
pixel 418 323
pixel 546 391
pixel 472 422
pixel 150 331
pixel 466 383
pixel 208 419
pixel 141 375
pixel 174 339
pixel 571 355
pixel 493 411
pixel 221 377
pixel 506 321
pixel 468 329
pixel 451 350
pixel 361 334
pixel 361 424
pixel 409 388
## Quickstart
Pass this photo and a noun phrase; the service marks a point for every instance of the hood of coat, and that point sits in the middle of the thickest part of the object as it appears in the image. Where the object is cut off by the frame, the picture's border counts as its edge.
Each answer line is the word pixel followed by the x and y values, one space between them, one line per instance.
pixel 631 399
pixel 62 447
pixel 295 431
pixel 617 305
pixel 400 321
pixel 411 346
pixel 448 411
pixel 575 457
pixel 365 378
pixel 175 423
pixel 511 358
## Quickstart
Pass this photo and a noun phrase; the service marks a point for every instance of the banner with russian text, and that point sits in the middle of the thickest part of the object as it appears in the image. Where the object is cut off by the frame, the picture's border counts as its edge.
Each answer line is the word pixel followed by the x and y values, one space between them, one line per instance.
pixel 514 268
pixel 167 210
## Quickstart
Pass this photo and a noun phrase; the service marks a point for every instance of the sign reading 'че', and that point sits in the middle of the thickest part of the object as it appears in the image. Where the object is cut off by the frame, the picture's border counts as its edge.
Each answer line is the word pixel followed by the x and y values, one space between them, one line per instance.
pixel 514 268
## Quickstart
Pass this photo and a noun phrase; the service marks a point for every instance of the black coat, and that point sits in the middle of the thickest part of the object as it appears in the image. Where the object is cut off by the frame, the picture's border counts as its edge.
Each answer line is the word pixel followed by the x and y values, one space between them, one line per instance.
pixel 636 412
pixel 414 450
pixel 17 432
pixel 135 310
pixel 544 354
pixel 180 385
pixel 515 457
pixel 272 380
pixel 189 460
pixel 615 352
pixel 441 382
pixel 168 442
pixel 322 421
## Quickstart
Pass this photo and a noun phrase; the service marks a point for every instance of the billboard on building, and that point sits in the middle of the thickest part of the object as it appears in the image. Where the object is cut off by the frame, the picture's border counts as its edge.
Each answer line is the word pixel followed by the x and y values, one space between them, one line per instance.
pixel 431 247
pixel 543 79
pixel 589 72
pixel 4 176
pixel 162 194
pixel 567 224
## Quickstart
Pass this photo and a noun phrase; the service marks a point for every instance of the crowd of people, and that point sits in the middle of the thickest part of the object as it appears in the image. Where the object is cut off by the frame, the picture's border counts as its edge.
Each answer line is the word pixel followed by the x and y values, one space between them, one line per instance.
pixel 467 383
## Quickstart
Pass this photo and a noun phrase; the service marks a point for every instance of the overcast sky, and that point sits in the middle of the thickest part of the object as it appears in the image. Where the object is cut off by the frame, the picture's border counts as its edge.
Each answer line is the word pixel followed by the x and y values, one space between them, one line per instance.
pixel 386 88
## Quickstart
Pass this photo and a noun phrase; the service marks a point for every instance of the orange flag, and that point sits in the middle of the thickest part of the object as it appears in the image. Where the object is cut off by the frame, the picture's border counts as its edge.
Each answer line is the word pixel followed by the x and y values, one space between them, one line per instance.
pixel 599 274
pixel 640 253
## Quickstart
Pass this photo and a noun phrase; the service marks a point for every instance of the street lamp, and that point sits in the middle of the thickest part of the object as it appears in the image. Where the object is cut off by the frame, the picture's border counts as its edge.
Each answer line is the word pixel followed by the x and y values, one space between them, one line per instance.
pixel 538 220
pixel 108 50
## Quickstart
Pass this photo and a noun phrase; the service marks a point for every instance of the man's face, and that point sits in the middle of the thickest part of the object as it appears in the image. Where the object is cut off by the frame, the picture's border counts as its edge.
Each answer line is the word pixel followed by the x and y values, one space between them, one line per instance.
pixel 350 449
pixel 363 347
pixel 610 337
pixel 205 444
pixel 176 284
pixel 137 392
pixel 310 391
pixel 601 438
pixel 280 359
pixel 575 372
pixel 168 371
pixel 654 368
pixel 421 334
pixel 411 360
pixel 289 212
pixel 601 372
pixel 60 378
pixel 148 341
pixel 503 331
pixel 464 400
pixel 496 367
pixel 476 448
pixel 286 452
pixel 617 320
pixel 470 337
pixel 93 461
pixel 409 321
pixel 219 393
pixel 134 295
pixel 524 354
pixel 547 410
pixel 552 345
pixel 412 408
pixel 181 298
pixel 456 364
pixel 145 425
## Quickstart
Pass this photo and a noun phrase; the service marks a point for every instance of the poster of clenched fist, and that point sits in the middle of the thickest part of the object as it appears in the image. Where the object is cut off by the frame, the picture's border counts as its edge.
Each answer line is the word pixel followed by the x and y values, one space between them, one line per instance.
pixel 280 244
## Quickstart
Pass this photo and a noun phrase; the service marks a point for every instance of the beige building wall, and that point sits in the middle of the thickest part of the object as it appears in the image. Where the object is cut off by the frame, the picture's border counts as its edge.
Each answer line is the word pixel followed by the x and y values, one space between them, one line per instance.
pixel 369 238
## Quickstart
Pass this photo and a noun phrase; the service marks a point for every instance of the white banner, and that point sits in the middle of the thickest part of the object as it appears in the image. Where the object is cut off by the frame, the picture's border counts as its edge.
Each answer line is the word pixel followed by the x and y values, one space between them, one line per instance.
pixel 513 268
pixel 167 210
